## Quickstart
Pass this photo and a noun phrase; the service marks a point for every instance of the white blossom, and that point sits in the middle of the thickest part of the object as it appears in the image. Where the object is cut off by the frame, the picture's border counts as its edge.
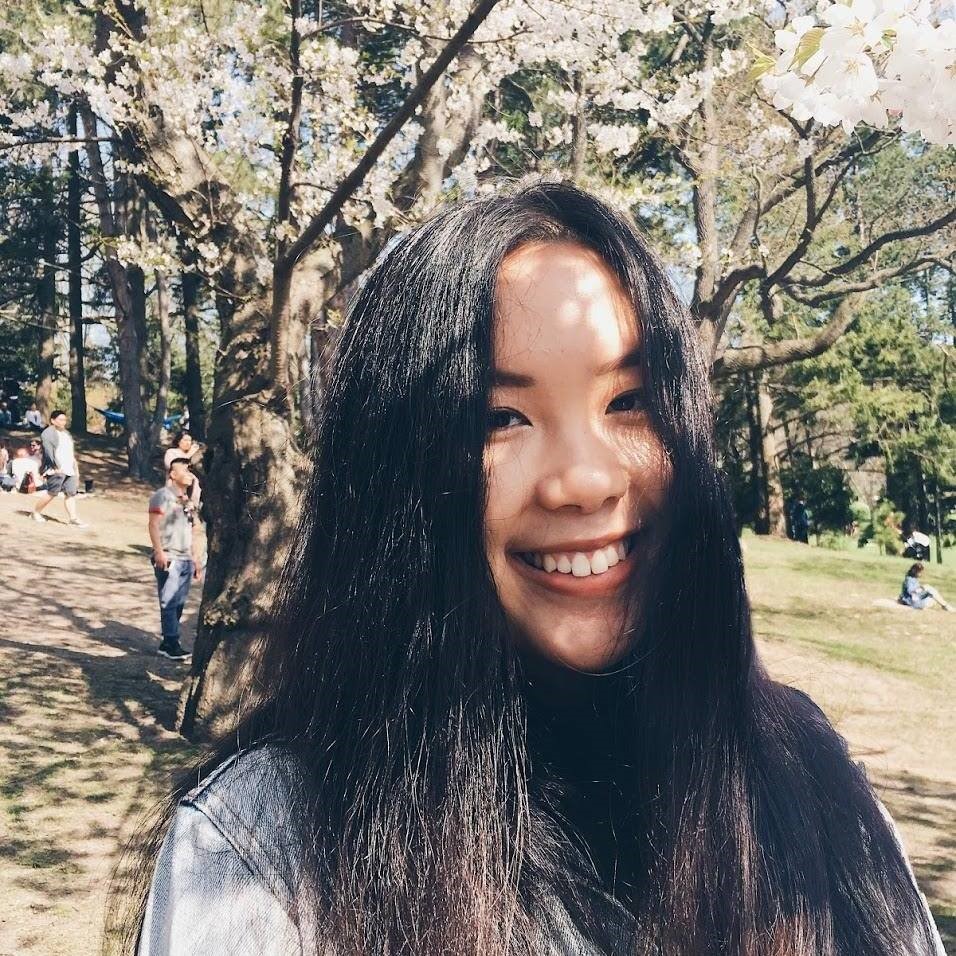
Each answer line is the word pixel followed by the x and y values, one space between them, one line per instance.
pixel 869 61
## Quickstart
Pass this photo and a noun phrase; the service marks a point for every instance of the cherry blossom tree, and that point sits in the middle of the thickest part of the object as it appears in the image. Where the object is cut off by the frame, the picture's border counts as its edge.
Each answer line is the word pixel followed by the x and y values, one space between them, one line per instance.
pixel 283 143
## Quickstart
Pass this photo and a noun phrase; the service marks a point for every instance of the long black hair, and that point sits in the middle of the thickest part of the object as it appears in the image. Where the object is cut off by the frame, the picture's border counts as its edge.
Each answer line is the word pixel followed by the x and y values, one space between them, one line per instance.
pixel 438 813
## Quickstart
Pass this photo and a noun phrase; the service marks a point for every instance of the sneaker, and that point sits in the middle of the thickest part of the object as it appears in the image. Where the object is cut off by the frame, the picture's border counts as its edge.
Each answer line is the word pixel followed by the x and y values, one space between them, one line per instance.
pixel 36 516
pixel 79 524
pixel 175 652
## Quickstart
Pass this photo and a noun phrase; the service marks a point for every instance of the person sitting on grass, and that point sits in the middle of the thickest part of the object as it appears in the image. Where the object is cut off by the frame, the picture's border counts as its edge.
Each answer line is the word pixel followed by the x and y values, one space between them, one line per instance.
pixel 33 419
pixel 24 473
pixel 917 595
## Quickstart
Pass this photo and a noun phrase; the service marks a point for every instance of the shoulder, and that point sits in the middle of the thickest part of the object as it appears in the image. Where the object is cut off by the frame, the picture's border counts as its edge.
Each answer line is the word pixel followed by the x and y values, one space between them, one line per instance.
pixel 158 499
pixel 225 880
pixel 252 800
pixel 261 777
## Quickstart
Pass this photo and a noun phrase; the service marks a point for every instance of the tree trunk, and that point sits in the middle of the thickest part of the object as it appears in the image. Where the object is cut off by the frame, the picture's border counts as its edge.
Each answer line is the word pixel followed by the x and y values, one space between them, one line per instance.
pixel 46 304
pixel 126 303
pixel 253 473
pixel 772 498
pixel 758 484
pixel 579 130
pixel 165 358
pixel 922 499
pixel 938 523
pixel 305 405
pixel 129 349
pixel 194 397
pixel 74 258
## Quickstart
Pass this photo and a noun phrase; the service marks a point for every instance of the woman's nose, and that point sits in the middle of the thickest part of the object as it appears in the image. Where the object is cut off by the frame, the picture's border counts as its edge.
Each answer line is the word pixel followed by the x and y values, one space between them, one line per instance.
pixel 583 474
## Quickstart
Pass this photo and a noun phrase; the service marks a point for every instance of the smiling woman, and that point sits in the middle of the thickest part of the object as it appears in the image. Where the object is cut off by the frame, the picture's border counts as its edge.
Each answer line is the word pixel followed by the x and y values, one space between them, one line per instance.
pixel 578 476
pixel 511 701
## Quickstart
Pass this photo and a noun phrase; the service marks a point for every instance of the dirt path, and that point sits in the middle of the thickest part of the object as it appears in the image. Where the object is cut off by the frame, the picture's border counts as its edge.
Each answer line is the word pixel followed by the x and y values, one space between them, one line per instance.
pixel 86 709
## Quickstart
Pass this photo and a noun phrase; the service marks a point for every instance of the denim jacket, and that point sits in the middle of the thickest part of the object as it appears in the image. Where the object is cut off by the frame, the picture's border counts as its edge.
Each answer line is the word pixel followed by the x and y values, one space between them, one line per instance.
pixel 226 879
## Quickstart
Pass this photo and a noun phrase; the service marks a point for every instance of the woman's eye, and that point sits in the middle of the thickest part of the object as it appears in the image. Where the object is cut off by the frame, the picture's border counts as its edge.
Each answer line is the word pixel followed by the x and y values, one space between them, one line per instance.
pixel 629 402
pixel 502 418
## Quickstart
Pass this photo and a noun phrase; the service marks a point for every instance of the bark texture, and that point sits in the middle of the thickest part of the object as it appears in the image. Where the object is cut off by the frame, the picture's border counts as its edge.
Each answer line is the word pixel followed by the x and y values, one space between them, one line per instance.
pixel 46 305
pixel 253 474
pixel 190 285
pixel 74 259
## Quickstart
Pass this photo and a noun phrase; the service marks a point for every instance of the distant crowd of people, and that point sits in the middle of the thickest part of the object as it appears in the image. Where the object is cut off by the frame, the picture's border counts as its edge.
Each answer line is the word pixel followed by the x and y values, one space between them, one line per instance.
pixel 46 467
pixel 10 415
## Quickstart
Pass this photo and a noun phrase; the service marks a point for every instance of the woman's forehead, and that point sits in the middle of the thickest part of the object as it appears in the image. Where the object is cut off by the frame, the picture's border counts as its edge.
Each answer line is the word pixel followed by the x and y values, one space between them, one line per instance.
pixel 561 299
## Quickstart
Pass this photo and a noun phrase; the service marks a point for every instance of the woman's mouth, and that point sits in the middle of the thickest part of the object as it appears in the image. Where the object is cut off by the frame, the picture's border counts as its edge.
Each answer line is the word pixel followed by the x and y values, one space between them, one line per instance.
pixel 580 564
pixel 587 573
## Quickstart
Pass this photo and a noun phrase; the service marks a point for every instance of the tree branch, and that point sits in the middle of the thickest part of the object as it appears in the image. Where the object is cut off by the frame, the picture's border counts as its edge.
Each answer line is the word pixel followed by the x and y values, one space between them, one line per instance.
pixel 898 235
pixel 356 177
pixel 873 281
pixel 279 353
pixel 852 150
pixel 751 357
pixel 57 140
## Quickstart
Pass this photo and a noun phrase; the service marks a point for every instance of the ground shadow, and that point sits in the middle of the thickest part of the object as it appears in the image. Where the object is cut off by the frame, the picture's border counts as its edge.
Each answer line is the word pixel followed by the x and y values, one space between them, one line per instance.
pixel 920 801
pixel 88 708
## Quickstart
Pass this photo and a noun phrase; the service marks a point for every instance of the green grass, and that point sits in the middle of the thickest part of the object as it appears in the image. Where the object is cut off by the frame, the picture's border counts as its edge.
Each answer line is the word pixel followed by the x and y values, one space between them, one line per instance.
pixel 823 600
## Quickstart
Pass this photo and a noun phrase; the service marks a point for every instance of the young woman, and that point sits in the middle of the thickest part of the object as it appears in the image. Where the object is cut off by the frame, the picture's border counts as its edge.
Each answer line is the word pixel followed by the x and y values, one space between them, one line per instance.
pixel 184 447
pixel 501 715
pixel 917 595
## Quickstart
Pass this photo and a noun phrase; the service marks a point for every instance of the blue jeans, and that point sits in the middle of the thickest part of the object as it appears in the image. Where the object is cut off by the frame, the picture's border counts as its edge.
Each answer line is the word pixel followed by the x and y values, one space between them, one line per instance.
pixel 173 586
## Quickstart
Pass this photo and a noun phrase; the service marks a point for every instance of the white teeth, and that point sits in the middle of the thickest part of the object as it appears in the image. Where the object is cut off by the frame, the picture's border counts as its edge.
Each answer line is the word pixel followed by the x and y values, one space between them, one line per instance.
pixel 578 563
pixel 580 566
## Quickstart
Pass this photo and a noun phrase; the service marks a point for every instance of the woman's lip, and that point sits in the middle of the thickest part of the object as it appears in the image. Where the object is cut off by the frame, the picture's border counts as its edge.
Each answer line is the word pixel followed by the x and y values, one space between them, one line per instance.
pixel 584 547
pixel 591 585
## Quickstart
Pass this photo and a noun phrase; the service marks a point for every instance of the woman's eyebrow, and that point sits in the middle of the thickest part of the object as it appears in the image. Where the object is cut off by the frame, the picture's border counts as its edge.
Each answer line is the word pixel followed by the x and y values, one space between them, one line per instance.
pixel 503 378
pixel 630 359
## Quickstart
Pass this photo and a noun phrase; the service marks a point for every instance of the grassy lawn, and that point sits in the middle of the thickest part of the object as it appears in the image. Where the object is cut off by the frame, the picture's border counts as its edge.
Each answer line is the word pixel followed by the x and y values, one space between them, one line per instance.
pixel 86 707
pixel 886 677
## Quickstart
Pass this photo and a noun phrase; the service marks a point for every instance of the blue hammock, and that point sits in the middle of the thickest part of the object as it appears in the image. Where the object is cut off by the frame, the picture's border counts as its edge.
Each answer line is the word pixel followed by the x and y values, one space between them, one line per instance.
pixel 118 418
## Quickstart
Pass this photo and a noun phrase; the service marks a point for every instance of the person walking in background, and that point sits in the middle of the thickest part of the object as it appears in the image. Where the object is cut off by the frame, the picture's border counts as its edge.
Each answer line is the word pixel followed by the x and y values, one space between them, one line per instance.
pixel 59 468
pixel 800 522
pixel 917 595
pixel 176 555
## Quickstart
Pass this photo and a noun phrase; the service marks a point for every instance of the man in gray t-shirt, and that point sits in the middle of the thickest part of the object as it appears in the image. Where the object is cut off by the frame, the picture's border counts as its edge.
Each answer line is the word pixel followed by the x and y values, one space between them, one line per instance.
pixel 176 556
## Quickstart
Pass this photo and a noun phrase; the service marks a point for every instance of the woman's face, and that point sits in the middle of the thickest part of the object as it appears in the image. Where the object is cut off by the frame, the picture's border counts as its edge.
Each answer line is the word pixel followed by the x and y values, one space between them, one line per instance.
pixel 185 443
pixel 577 477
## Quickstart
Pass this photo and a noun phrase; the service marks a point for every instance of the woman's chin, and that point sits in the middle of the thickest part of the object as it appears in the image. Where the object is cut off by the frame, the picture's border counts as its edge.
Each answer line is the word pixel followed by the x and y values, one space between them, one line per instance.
pixel 580 653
